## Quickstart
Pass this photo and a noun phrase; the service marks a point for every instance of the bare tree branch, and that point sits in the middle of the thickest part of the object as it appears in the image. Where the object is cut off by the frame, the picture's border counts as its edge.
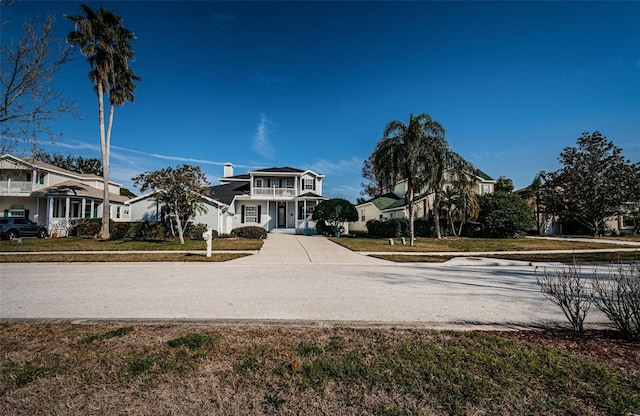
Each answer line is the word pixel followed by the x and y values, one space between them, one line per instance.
pixel 28 100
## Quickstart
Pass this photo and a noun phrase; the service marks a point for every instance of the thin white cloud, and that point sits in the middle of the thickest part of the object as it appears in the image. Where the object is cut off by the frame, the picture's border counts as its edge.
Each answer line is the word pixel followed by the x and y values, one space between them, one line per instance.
pixel 74 145
pixel 261 139
pixel 326 167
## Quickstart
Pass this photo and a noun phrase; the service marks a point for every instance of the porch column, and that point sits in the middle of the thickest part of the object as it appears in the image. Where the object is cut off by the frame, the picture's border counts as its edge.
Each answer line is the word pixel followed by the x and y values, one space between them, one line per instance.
pixel 304 223
pixel 84 204
pixel 268 216
pixel 49 212
pixel 93 207
pixel 67 206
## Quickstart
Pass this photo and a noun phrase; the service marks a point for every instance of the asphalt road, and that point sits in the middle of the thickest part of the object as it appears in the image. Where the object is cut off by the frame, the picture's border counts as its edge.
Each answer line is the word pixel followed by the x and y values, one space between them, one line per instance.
pixel 460 292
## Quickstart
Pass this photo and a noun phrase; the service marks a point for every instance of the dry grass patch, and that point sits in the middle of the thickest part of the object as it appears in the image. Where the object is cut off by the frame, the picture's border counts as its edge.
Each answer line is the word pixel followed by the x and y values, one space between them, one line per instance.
pixel 224 370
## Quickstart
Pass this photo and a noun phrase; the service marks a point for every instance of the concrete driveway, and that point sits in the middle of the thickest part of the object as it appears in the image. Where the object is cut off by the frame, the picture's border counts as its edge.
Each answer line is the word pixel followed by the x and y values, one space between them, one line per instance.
pixel 300 249
pixel 293 279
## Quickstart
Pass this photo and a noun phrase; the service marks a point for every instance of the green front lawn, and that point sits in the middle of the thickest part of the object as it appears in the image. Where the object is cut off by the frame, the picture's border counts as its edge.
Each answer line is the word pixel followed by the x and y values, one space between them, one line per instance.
pixel 81 244
pixel 460 244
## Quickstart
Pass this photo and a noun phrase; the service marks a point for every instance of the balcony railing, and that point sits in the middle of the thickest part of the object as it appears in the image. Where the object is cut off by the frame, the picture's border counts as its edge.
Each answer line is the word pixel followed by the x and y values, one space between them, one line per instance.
pixel 281 192
pixel 15 186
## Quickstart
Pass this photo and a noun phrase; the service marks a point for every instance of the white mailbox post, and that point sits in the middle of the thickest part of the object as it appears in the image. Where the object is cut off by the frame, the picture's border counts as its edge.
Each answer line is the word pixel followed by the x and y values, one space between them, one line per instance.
pixel 207 237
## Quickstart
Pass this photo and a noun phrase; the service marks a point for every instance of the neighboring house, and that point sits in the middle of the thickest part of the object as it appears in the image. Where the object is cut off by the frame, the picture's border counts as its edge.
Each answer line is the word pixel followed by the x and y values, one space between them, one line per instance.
pixel 276 199
pixel 392 205
pixel 146 208
pixel 623 223
pixel 52 196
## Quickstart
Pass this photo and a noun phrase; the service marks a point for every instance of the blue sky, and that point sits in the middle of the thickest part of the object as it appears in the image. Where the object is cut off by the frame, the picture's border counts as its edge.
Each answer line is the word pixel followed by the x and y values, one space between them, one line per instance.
pixel 312 84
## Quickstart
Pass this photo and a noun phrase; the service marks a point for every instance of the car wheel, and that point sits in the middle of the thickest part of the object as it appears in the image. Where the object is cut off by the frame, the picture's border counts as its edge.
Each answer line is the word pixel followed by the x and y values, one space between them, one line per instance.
pixel 42 233
pixel 12 234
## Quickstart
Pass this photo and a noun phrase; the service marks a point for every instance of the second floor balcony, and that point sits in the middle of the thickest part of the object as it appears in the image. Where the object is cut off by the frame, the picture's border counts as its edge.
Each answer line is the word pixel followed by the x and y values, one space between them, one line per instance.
pixel 275 192
pixel 15 187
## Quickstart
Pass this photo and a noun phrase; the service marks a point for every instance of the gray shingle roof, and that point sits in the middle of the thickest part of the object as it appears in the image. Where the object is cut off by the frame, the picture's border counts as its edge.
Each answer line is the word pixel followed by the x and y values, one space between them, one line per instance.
pixel 78 189
pixel 225 193
pixel 284 169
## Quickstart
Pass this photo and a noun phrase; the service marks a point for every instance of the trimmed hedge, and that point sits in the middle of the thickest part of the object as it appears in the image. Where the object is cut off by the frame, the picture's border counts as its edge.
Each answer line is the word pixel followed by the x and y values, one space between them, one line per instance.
pixel 392 228
pixel 252 233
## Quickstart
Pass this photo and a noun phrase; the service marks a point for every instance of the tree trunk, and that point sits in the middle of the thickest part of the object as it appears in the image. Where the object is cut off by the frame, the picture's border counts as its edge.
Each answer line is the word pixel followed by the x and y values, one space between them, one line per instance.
pixel 105 234
pixel 436 213
pixel 411 227
pixel 179 226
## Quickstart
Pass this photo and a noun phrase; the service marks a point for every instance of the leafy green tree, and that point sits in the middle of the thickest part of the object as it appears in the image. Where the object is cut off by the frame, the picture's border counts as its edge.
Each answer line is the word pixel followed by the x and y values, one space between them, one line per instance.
pixel 28 99
pixel 503 215
pixel 595 182
pixel 334 213
pixel 179 190
pixel 76 164
pixel 503 184
pixel 105 42
pixel 406 152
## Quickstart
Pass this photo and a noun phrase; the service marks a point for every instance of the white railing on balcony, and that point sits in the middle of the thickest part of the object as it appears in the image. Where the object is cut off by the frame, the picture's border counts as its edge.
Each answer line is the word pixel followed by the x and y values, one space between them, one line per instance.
pixel 281 192
pixel 15 186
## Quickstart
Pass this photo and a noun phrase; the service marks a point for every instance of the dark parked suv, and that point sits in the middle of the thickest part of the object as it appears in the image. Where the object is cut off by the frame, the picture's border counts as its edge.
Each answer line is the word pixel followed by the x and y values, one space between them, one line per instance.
pixel 11 228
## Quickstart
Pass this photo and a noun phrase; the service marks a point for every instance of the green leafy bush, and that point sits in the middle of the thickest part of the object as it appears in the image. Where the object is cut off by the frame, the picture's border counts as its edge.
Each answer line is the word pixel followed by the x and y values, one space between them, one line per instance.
pixel 392 228
pixel 119 230
pixel 504 215
pixel 85 227
pixel 423 227
pixel 252 233
pixel 195 231
pixel 147 230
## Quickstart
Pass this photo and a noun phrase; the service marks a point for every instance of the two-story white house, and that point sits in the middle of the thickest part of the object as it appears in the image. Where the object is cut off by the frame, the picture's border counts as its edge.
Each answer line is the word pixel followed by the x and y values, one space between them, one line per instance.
pixel 392 205
pixel 52 196
pixel 276 199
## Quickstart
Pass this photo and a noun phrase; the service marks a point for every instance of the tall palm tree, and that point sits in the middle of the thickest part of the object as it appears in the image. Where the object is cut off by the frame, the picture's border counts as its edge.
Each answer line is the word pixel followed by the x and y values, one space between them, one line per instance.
pixel 467 203
pixel 401 154
pixel 105 42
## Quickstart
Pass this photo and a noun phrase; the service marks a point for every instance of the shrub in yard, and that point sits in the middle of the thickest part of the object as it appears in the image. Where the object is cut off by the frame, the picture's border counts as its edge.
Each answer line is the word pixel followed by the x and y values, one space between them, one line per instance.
pixel 146 230
pixel 504 215
pixel 423 227
pixel 119 230
pixel 85 227
pixel 567 289
pixel 617 295
pixel 195 231
pixel 392 228
pixel 252 233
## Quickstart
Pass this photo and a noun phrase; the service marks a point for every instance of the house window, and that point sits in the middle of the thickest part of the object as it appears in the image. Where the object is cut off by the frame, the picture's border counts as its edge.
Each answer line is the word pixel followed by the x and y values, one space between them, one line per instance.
pixel 362 216
pixel 117 212
pixel 486 189
pixel 308 184
pixel 289 182
pixel 76 207
pixel 251 213
pixel 258 183
pixel 17 210
pixel 87 210
pixel 392 216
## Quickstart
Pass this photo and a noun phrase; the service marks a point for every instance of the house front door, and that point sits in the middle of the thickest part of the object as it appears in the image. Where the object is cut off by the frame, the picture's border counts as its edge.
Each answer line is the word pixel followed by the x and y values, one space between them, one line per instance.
pixel 282 216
